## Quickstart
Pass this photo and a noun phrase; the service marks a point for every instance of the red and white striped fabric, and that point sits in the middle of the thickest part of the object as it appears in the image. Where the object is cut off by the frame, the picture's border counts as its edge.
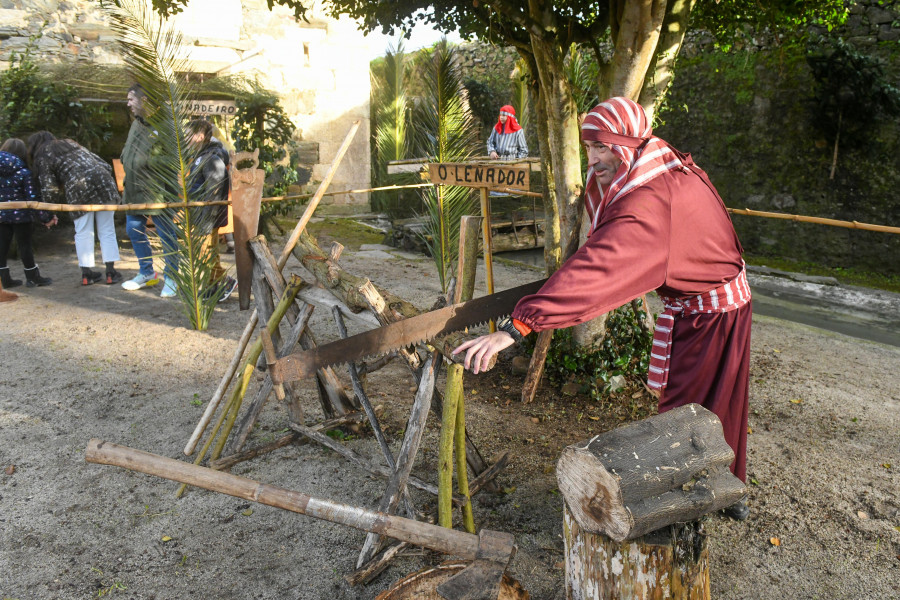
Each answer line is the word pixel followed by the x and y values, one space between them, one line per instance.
pixel 725 298
pixel 622 125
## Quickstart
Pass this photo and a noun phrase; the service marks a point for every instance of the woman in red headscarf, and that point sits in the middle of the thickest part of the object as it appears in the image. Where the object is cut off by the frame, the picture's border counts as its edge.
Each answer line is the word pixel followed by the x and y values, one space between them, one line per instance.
pixel 657 223
pixel 507 139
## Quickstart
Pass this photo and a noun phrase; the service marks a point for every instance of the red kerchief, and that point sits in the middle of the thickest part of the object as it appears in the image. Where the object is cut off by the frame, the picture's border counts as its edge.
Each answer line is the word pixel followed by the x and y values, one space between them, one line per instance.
pixel 511 124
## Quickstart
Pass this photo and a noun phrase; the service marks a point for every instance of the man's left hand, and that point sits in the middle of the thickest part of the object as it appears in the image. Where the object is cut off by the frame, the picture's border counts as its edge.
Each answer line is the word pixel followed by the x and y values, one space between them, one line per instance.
pixel 480 351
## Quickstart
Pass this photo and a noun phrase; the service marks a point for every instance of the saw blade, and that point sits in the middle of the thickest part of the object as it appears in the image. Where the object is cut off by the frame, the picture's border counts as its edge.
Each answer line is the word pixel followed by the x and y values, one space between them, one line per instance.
pixel 402 334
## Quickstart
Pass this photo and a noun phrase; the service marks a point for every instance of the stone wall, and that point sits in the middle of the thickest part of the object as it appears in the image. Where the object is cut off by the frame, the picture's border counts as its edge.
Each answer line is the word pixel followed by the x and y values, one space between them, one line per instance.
pixel 749 120
pixel 320 69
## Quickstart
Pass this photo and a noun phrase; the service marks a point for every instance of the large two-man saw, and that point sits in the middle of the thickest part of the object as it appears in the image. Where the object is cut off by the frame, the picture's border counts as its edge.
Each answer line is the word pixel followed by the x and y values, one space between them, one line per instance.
pixel 402 334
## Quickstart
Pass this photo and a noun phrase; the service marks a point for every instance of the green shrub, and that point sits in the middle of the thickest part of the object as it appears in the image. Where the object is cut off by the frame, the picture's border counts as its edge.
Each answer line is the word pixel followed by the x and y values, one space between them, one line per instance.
pixel 625 350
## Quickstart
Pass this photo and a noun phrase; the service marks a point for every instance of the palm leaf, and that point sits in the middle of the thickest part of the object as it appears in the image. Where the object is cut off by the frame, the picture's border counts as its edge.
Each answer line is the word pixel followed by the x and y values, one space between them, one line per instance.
pixel 444 131
pixel 150 48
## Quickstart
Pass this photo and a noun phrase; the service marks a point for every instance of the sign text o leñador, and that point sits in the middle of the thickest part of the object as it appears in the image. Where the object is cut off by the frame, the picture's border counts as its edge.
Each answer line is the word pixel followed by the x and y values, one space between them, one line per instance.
pixel 480 175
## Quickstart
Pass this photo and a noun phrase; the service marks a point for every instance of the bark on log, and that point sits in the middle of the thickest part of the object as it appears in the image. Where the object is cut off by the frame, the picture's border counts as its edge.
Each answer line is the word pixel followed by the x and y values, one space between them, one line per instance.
pixel 670 468
pixel 670 563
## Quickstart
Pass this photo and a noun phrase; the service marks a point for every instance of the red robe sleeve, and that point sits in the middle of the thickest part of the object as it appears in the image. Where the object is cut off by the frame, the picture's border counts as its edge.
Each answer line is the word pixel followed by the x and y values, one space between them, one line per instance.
pixel 625 257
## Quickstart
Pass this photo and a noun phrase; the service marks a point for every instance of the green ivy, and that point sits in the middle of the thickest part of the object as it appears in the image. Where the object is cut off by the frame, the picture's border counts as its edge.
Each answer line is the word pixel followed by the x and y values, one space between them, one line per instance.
pixel 625 350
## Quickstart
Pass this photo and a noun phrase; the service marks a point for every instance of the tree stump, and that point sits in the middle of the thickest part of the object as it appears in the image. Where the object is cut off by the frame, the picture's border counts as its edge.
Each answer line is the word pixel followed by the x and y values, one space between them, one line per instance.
pixel 654 479
pixel 672 562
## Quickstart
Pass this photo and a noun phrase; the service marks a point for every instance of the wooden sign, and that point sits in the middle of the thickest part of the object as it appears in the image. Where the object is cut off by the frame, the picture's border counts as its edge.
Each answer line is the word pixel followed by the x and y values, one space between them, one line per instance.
pixel 480 175
pixel 212 107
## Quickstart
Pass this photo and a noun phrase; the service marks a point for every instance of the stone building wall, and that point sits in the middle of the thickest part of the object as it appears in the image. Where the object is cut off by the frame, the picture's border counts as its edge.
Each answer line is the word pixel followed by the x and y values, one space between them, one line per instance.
pixel 320 69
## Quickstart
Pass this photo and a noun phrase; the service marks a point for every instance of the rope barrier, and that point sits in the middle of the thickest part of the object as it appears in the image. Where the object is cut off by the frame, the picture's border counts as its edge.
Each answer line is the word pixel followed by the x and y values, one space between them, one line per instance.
pixel 162 205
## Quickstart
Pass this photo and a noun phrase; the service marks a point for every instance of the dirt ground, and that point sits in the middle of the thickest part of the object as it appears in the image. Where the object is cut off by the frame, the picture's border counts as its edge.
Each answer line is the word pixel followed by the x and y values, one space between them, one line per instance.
pixel 99 362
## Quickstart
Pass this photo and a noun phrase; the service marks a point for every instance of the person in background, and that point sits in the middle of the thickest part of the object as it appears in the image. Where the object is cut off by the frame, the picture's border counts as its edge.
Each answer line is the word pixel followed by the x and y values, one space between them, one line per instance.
pixel 209 181
pixel 136 158
pixel 16 185
pixel 68 172
pixel 507 139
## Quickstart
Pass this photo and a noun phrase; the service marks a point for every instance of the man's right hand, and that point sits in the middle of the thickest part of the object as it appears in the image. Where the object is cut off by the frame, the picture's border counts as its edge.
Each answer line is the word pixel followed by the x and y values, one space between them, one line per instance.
pixel 494 155
pixel 480 351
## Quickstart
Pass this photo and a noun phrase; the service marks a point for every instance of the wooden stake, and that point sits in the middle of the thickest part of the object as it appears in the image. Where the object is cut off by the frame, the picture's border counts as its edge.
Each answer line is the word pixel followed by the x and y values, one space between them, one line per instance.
pixel 459 446
pixel 487 244
pixel 415 428
pixel 453 390
pixel 536 366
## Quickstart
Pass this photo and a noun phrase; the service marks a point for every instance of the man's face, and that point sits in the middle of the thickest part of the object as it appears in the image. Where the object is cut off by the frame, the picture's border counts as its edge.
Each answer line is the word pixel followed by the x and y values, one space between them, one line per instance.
pixel 604 162
pixel 136 104
pixel 503 118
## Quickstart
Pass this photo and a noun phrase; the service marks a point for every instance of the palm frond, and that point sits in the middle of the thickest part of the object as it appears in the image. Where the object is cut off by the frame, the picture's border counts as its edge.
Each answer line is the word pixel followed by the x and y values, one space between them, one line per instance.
pixel 444 131
pixel 151 49
pixel 582 71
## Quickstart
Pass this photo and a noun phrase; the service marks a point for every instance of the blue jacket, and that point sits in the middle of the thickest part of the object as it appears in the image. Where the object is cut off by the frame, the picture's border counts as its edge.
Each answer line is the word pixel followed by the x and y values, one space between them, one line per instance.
pixel 16 185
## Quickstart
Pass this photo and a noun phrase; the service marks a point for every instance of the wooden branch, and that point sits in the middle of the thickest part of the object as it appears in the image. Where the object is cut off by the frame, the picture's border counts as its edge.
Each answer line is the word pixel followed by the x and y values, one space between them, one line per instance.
pixel 415 428
pixel 536 366
pixel 373 420
pixel 673 467
pixel 252 414
pixel 254 316
pixel 376 565
pixel 359 461
pixel 346 287
pixel 332 396
pixel 488 476
pixel 225 463
pixel 220 390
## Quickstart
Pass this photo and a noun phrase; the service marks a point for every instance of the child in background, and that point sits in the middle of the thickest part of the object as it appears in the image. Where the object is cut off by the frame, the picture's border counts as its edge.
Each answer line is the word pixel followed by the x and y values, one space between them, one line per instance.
pixel 17 185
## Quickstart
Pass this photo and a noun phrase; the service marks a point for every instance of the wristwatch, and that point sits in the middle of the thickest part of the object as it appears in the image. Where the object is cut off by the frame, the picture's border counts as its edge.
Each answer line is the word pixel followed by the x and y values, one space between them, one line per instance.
pixel 506 324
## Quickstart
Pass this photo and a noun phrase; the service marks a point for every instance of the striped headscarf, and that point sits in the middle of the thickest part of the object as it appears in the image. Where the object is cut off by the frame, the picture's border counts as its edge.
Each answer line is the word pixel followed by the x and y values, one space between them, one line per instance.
pixel 511 125
pixel 622 125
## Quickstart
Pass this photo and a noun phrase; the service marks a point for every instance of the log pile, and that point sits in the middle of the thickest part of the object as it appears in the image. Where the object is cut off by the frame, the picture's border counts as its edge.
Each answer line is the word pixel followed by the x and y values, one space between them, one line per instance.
pixel 625 491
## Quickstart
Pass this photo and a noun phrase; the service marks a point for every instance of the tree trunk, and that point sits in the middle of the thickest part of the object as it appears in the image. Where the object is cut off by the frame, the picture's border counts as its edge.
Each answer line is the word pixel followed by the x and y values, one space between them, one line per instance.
pixel 563 146
pixel 660 73
pixel 635 27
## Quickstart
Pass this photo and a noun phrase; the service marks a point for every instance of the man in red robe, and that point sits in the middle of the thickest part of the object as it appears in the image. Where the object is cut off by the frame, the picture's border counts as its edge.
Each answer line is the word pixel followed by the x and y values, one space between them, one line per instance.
pixel 657 223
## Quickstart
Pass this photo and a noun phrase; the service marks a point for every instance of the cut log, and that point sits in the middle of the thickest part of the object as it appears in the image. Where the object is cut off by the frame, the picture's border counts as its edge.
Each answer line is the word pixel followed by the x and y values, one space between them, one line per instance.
pixel 670 563
pixel 670 468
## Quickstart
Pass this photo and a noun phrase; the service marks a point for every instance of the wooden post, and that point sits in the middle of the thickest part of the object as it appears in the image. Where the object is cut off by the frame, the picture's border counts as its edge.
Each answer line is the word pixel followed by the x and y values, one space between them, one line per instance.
pixel 453 390
pixel 412 438
pixel 623 492
pixel 536 366
pixel 487 244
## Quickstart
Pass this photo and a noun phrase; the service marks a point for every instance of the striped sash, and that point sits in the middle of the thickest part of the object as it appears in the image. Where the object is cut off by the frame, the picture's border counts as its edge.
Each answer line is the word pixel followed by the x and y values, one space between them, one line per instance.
pixel 726 298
